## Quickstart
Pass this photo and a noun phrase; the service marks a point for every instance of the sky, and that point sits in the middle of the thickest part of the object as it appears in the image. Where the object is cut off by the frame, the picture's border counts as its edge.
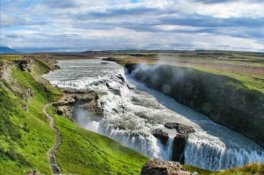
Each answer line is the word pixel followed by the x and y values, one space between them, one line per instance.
pixel 79 25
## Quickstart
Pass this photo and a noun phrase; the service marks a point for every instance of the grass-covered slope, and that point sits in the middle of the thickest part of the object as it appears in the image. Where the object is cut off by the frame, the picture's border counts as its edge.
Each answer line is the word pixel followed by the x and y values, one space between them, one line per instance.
pixel 84 152
pixel 25 135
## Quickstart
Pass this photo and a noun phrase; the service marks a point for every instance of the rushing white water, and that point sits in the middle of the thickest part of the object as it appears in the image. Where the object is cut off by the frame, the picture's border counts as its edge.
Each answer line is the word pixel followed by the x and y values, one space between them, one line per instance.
pixel 132 112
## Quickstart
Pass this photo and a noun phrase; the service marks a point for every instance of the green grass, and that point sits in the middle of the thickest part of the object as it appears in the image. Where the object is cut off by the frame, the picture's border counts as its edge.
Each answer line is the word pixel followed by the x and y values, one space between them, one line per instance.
pixel 256 169
pixel 84 152
pixel 239 66
pixel 25 135
pixel 250 83
pixel 10 57
pixel 250 169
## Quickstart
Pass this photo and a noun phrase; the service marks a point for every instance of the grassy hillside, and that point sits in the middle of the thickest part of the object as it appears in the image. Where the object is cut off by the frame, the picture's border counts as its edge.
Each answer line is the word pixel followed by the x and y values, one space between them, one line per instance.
pixel 84 152
pixel 25 136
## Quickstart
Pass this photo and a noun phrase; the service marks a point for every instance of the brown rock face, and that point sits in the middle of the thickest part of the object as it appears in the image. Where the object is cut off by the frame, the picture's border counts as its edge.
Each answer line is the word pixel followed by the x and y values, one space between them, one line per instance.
pixel 161 135
pixel 159 167
pixel 25 65
pixel 181 128
pixel 178 147
pixel 85 99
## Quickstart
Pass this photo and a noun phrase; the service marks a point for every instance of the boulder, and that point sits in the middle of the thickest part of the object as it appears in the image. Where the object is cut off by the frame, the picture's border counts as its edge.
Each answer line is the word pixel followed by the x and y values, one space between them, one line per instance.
pixel 56 67
pixel 25 65
pixel 181 128
pixel 108 86
pixel 159 167
pixel 119 76
pixel 178 147
pixel 161 135
pixel 59 112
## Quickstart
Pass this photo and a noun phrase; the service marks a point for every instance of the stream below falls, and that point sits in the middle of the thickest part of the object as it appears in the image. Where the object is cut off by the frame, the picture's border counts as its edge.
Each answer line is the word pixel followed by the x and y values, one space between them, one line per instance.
pixel 132 111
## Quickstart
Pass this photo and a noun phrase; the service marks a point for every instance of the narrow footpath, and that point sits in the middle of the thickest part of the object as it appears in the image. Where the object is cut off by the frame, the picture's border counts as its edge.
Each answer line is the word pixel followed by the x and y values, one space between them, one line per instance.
pixel 51 152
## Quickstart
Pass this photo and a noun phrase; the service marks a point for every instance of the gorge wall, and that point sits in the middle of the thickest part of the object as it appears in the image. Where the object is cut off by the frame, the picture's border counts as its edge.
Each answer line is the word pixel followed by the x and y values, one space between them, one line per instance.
pixel 221 98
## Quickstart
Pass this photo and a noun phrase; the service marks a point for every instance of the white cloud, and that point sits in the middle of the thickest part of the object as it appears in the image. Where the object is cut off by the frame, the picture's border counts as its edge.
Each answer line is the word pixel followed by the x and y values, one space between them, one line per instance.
pixel 177 27
pixel 113 24
pixel 232 9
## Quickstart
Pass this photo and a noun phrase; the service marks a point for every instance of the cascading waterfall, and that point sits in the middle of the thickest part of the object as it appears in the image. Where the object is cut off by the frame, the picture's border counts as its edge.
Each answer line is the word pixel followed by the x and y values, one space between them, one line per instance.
pixel 147 145
pixel 167 149
pixel 132 112
pixel 217 157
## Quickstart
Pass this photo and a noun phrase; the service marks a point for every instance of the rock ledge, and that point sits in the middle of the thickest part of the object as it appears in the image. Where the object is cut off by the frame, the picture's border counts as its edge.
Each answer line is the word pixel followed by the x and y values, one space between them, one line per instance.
pixel 159 167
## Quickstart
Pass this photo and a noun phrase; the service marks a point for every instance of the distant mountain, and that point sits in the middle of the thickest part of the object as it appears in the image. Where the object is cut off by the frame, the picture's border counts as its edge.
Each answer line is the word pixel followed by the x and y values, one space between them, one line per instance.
pixel 7 50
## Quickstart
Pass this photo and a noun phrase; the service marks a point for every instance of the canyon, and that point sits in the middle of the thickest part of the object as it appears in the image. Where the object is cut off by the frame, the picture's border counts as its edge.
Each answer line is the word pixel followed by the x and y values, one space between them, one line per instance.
pixel 132 112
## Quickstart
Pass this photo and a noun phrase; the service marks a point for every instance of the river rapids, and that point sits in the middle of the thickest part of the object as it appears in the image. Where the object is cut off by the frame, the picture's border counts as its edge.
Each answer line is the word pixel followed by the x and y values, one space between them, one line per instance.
pixel 131 112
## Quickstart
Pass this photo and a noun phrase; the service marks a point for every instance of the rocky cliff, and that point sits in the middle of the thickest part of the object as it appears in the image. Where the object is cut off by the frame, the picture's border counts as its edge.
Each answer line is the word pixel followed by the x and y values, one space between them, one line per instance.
pixel 222 98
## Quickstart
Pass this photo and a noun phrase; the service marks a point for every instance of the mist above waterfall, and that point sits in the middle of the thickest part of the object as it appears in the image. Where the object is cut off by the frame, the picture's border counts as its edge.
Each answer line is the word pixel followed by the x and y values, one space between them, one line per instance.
pixel 159 75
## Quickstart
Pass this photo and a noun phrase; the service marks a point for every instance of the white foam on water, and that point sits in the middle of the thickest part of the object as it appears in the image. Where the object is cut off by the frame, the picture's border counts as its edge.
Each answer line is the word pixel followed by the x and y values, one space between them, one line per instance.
pixel 130 116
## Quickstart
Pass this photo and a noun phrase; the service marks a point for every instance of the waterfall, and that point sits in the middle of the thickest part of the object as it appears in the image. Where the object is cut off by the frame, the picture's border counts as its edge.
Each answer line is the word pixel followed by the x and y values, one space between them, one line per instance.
pixel 148 145
pixel 131 114
pixel 167 149
pixel 213 156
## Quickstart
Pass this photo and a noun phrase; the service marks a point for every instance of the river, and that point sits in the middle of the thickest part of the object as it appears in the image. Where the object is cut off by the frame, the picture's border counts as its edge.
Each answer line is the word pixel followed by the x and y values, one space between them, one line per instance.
pixel 131 112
